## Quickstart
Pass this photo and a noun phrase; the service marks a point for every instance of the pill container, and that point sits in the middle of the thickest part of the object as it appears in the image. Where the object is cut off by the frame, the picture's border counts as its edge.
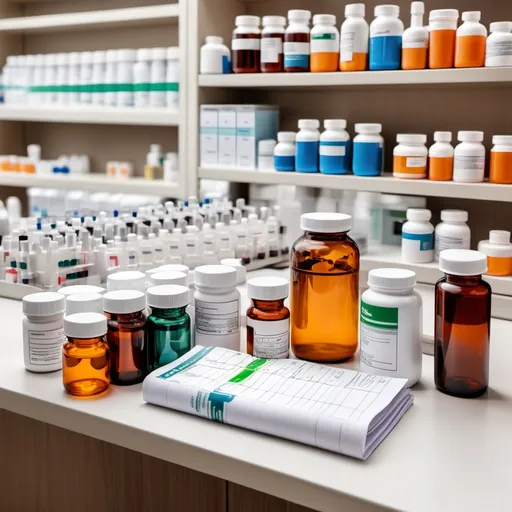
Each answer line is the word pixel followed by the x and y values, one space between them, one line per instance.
pixel 296 46
pixel 410 156
pixel 443 30
pixel 99 59
pixel 157 86
pixel 324 281
pixel 266 154
pixel 469 157
pixel 470 41
pixel 501 159
pixel 462 324
pixel 498 50
pixel 452 232
pixel 391 327
pixel 418 237
pixel 245 45
pixel 124 84
pixel 284 152
pixel 325 44
pixel 307 145
pixel 272 39
pixel 386 38
pixel 354 35
pixel 335 147
pixel 215 57
pixel 415 40
pixel 440 157
pixel 368 150
pixel 172 80
pixel 498 250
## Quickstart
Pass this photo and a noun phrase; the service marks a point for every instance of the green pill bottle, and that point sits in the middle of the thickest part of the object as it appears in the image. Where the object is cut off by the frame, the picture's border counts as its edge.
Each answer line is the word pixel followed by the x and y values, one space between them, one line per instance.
pixel 168 325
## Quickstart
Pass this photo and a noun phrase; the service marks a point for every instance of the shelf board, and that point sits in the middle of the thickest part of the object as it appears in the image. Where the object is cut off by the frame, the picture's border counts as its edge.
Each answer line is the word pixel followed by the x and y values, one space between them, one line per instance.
pixel 94 182
pixel 360 78
pixel 130 17
pixel 386 183
pixel 90 115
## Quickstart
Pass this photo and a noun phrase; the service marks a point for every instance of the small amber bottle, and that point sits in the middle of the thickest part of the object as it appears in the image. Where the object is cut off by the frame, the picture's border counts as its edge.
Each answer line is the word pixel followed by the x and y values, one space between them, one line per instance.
pixel 85 357
pixel 126 336
pixel 245 45
pixel 297 41
pixel 272 38
pixel 268 319
pixel 462 324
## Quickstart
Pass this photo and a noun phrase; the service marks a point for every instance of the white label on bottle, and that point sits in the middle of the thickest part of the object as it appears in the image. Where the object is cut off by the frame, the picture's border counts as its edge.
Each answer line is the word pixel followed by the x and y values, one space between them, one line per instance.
pixel 332 150
pixel 325 43
pixel 352 41
pixel 217 318
pixel 450 242
pixel 469 167
pixel 415 42
pixel 271 49
pixel 245 44
pixel 45 347
pixel 271 339
pixel 416 161
pixel 499 49
pixel 296 48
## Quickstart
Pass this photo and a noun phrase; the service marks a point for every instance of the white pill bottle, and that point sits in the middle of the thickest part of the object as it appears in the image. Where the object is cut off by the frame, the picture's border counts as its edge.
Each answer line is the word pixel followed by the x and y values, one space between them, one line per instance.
pixel 418 237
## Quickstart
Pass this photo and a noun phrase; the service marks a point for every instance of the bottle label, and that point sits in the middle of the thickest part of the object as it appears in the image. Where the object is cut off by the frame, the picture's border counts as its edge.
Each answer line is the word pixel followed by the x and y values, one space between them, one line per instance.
pixel 306 159
pixel 226 64
pixel 333 157
pixel 415 42
pixel 450 242
pixel 271 339
pixel 245 44
pixel 333 148
pixel 296 55
pixel 385 51
pixel 499 49
pixel 284 163
pixel 217 318
pixel 271 49
pixel 416 161
pixel 325 43
pixel 425 241
pixel 45 347
pixel 352 41
pixel 367 158
pixel 379 337
pixel 472 168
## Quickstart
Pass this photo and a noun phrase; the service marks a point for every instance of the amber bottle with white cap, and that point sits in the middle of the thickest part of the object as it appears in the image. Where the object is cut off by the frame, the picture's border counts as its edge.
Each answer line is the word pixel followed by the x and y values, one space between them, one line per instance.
pixel 462 324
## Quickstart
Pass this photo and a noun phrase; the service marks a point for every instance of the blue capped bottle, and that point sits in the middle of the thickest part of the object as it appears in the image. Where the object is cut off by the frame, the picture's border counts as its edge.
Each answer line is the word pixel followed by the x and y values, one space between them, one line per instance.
pixel 307 145
pixel 386 32
pixel 335 147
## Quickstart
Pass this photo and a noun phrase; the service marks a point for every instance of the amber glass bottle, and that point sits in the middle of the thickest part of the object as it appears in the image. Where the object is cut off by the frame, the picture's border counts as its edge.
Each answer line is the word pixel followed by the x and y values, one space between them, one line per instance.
pixel 272 38
pixel 126 336
pixel 245 45
pixel 462 324
pixel 297 41
pixel 85 357
pixel 325 289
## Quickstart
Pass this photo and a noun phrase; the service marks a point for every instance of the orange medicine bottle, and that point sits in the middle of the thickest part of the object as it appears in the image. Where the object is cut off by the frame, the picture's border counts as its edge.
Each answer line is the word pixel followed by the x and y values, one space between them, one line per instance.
pixel 440 157
pixel 498 250
pixel 325 289
pixel 470 42
pixel 501 160
pixel 443 30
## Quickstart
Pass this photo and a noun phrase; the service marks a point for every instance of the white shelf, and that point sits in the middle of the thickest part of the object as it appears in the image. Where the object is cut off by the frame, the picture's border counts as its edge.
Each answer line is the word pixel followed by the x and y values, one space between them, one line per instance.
pixel 93 183
pixel 386 184
pixel 90 115
pixel 135 16
pixel 361 78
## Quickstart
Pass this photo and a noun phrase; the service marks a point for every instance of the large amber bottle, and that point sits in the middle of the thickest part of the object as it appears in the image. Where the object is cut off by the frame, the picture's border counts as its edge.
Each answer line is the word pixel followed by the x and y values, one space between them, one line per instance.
pixel 325 289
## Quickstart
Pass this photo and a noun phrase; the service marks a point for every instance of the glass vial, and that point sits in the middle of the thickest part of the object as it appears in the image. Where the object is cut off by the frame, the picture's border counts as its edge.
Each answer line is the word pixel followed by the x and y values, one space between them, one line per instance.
pixel 168 325
pixel 325 289
pixel 245 45
pixel 126 336
pixel 272 38
pixel 85 355
pixel 268 319
pixel 462 324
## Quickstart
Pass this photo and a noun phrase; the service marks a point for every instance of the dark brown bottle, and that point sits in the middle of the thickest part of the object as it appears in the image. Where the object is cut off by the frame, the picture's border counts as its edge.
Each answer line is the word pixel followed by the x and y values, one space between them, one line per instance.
pixel 297 41
pixel 462 324
pixel 245 45
pixel 272 39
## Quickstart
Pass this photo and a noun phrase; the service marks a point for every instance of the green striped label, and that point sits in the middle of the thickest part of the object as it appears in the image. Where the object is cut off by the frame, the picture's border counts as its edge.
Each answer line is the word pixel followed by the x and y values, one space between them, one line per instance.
pixel 377 316
pixel 324 37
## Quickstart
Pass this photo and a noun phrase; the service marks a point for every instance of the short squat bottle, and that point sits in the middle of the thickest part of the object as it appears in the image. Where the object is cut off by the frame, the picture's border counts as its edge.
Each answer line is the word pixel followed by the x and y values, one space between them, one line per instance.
pixel 335 147
pixel 245 45
pixel 453 232
pixel 126 336
pixel 272 39
pixel 297 41
pixel 462 324
pixel 325 44
pixel 498 250
pixel 85 359
pixel 469 157
pixel 325 289
pixel 268 319
pixel 284 152
pixel 440 157
pixel 168 325
pixel 215 57
pixel 498 51
pixel 418 237
pixel 410 156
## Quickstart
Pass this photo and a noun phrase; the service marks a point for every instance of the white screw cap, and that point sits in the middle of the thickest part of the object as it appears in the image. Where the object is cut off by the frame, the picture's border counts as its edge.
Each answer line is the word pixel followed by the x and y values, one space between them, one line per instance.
pixel 274 20
pixel 122 302
pixel 502 140
pixel 85 325
pixel 165 278
pixel 471 16
pixel 368 128
pixel 411 138
pixel 84 303
pixel 252 21
pixel 501 26
pixel 286 136
pixel 499 236
pixel 443 136
pixel 299 15
pixel 215 276
pixel 324 19
pixel 462 262
pixel 325 222
pixel 418 214
pixel 470 136
pixel 355 10
pixel 335 124
pixel 387 10
pixel 168 296
pixel 81 288
pixel 44 304
pixel 454 215
pixel 391 278
pixel 267 288
pixel 127 280
pixel 309 124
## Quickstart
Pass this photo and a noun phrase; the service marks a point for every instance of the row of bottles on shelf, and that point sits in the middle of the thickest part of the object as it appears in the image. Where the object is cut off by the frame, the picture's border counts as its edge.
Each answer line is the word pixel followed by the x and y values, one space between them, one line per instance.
pixel 382 45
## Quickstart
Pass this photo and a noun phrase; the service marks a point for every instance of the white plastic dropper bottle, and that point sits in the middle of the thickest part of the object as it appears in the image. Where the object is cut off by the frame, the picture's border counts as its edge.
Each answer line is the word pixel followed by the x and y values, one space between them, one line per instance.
pixel 415 40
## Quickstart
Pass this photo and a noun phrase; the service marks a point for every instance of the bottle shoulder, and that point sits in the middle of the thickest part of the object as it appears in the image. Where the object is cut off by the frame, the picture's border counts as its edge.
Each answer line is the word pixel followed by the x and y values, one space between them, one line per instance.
pixel 410 150
pixel 441 150
pixel 411 299
pixel 323 29
pixel 417 227
pixel 334 135
pixel 254 313
pixel 355 23
pixel 480 288
pixel 415 33
pixel 470 147
pixel 471 28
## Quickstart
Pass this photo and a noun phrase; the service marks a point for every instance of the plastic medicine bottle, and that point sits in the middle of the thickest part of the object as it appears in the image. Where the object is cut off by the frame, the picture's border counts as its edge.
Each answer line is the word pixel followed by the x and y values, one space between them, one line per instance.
pixel 98 77
pixel 386 38
pixel 418 237
pixel 501 159
pixel 306 145
pixel 268 319
pixel 391 327
pixel 335 147
pixel 62 78
pixel 272 39
pixel 410 156
pixel 43 334
pixel 74 78
pixel 111 79
pixel 354 36
pixel 125 61
pixel 217 307
pixel 157 95
pixel 498 250
pixel 284 152
pixel 470 41
pixel 443 29
pixel 50 78
pixel 172 83
pixel 324 289
pixel 169 334
pixel 325 44
pixel 215 57
pixel 469 158
pixel 499 45
pixel 368 150
pixel 266 154
pixel 245 45
pixel 85 355
pixel 462 324
pixel 86 78
pixel 440 157
pixel 142 78
pixel 296 46
pixel 126 336
pixel 415 40
pixel 452 232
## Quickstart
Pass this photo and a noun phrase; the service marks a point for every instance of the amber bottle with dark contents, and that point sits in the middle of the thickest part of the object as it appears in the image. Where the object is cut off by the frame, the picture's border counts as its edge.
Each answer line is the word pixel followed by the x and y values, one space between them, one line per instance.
pixel 462 324
pixel 85 355
pixel 126 336
pixel 268 319
pixel 272 39
pixel 245 45
pixel 325 289
pixel 297 41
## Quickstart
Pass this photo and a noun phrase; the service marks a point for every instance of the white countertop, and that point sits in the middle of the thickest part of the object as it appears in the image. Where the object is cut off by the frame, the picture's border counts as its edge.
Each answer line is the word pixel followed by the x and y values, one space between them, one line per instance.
pixel 445 454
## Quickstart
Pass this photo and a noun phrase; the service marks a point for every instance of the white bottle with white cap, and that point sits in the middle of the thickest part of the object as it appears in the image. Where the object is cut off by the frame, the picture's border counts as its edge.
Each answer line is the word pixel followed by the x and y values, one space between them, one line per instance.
pixel 50 77
pixel 43 331
pixel 172 84
pixel 354 36
pixel 391 329
pixel 266 154
pixel 215 57
pixel 418 237
pixel 498 250
pixel 86 78
pixel 125 61
pixel 62 78
pixel 142 77
pixel 498 50
pixel 99 59
pixel 452 232
pixel 84 303
pixel 35 97
pixel 127 280
pixel 469 157
pixel 74 78
pixel 217 307
pixel 111 79
pixel 415 38
pixel 157 96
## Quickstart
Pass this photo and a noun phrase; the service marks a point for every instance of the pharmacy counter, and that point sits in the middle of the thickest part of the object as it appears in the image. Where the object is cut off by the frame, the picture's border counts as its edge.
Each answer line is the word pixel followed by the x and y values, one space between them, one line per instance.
pixel 445 454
